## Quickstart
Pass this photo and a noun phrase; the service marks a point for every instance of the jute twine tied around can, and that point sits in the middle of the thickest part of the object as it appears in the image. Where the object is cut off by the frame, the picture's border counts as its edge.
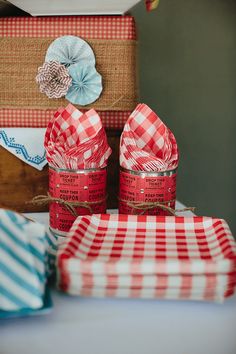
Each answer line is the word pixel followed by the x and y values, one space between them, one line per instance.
pixel 70 206
pixel 145 206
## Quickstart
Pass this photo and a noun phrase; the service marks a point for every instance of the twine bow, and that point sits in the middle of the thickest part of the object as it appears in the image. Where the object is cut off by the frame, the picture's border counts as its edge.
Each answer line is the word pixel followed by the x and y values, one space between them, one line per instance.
pixel 70 206
pixel 144 206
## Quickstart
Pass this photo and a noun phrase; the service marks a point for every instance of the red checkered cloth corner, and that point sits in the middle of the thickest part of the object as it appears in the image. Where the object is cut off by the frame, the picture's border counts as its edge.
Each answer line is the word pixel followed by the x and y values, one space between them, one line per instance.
pixel 146 143
pixel 87 27
pixel 148 256
pixel 76 140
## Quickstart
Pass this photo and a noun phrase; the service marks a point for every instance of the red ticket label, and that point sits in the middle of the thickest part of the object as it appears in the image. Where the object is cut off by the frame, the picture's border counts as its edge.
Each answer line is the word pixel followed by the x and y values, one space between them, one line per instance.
pixel 72 187
pixel 146 189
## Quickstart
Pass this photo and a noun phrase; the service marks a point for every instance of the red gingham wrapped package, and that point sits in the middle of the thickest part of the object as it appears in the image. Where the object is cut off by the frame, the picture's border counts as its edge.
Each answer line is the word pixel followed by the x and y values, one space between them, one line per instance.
pixel 148 256
pixel 95 28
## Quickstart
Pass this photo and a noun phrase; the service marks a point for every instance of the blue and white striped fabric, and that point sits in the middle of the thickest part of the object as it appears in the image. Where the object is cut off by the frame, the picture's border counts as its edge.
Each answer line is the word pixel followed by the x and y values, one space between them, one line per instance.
pixel 52 245
pixel 22 262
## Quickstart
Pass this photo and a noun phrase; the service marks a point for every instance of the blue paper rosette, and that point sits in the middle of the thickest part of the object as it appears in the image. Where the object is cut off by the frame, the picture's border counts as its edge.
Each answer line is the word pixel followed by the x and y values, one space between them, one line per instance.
pixel 86 84
pixel 69 50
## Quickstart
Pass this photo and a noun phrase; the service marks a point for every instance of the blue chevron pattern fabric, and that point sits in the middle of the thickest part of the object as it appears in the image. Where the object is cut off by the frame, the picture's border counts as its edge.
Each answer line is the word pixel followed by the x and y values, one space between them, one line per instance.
pixel 23 246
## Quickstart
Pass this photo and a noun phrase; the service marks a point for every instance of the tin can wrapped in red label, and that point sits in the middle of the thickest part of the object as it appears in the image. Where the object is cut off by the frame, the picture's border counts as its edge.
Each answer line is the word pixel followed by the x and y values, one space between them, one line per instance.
pixel 148 193
pixel 73 193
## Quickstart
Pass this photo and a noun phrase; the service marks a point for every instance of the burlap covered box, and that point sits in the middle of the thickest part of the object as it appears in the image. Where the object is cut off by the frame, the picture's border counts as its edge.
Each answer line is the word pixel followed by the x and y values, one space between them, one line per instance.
pixel 24 41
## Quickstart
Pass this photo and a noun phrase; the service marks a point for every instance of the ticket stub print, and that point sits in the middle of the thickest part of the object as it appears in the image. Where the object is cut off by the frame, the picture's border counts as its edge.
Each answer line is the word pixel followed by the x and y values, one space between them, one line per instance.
pixel 73 187
pixel 146 189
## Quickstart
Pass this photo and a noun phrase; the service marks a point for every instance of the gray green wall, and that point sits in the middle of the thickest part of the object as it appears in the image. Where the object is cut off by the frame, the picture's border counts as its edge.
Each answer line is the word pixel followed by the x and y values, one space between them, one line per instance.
pixel 187 64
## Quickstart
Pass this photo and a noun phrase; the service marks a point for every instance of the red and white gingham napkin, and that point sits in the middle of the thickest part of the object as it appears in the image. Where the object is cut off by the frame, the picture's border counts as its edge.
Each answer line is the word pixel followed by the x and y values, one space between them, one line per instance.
pixel 76 140
pixel 146 143
pixel 148 256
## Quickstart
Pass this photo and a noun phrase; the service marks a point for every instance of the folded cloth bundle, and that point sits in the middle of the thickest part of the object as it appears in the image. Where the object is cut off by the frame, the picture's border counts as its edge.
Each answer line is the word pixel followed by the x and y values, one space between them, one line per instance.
pixel 146 143
pixel 26 144
pixel 163 257
pixel 23 252
pixel 76 140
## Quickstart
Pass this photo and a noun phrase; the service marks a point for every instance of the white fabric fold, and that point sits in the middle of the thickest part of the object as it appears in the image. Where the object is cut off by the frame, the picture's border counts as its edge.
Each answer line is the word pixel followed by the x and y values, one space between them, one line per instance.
pixel 25 143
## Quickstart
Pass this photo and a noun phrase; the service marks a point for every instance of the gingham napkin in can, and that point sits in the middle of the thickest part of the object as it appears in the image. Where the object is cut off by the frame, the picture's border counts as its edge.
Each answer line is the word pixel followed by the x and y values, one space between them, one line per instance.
pixel 146 143
pixel 76 140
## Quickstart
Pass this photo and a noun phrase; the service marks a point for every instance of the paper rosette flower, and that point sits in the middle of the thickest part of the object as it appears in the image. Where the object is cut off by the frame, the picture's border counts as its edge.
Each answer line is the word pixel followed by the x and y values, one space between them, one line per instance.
pixel 86 84
pixel 53 79
pixel 69 50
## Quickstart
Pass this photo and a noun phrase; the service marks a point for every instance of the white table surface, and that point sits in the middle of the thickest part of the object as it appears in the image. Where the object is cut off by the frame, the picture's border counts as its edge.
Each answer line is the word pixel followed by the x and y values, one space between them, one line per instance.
pixel 123 326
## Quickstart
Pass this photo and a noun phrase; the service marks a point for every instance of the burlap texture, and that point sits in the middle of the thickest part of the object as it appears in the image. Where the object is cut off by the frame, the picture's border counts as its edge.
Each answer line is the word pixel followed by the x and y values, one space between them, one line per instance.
pixel 21 57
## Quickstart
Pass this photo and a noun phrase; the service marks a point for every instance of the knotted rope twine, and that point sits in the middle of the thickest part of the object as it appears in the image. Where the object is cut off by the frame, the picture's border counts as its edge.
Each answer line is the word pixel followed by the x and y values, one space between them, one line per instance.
pixel 70 206
pixel 144 206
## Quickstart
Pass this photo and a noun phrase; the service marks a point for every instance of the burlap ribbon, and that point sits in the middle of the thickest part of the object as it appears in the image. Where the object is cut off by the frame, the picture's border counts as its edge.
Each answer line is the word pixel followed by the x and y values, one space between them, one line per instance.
pixel 21 57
